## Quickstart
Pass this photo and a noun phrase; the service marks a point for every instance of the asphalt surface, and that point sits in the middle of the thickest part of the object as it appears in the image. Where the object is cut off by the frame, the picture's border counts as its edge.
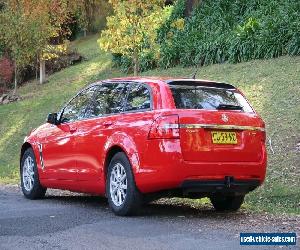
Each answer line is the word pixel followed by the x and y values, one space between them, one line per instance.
pixel 66 220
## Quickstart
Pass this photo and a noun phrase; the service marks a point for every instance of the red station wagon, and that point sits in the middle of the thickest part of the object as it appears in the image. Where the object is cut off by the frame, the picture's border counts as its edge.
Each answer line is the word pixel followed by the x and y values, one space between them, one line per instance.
pixel 137 139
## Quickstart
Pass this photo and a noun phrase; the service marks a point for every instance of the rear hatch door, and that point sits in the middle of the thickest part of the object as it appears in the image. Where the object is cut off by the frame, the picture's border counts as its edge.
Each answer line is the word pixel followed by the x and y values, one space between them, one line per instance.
pixel 217 124
pixel 205 136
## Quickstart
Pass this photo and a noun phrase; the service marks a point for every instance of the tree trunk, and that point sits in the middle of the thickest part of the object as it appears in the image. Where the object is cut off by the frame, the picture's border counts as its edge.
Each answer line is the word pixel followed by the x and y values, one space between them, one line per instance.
pixel 16 79
pixel 189 6
pixel 42 71
pixel 36 69
pixel 84 33
pixel 136 65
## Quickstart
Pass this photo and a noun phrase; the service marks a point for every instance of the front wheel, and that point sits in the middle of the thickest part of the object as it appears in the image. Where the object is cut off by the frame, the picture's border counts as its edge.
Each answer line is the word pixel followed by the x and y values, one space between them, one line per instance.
pixel 123 196
pixel 30 182
pixel 227 202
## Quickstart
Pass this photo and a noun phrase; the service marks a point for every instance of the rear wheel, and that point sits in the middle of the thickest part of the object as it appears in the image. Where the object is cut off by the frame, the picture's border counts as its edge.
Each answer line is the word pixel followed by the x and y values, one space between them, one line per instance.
pixel 227 202
pixel 122 193
pixel 30 183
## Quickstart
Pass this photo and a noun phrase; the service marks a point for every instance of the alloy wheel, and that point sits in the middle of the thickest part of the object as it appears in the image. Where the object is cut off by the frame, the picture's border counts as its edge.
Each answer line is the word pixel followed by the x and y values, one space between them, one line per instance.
pixel 28 174
pixel 118 184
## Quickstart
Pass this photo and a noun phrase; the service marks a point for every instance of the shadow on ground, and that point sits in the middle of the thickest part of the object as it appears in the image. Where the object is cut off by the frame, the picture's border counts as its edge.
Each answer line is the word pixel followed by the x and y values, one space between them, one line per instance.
pixel 161 208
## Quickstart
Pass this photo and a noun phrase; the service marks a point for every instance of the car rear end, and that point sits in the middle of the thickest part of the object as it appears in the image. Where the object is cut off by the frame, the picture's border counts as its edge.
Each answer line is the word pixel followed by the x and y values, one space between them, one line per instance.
pixel 209 139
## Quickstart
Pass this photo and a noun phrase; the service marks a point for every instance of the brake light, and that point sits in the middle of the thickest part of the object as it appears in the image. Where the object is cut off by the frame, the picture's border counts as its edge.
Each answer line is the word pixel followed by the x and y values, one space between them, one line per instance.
pixel 165 127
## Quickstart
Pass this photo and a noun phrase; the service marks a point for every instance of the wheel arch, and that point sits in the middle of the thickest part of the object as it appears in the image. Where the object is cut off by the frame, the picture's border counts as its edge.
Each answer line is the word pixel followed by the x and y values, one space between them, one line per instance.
pixel 109 155
pixel 24 147
pixel 129 153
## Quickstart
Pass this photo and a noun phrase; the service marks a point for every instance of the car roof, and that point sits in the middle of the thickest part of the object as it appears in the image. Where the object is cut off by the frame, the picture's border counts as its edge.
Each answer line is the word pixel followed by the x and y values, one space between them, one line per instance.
pixel 170 81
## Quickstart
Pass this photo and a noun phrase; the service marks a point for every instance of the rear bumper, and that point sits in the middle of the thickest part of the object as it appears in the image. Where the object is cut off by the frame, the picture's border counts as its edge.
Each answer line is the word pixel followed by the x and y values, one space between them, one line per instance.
pixel 203 178
pixel 228 185
pixel 165 169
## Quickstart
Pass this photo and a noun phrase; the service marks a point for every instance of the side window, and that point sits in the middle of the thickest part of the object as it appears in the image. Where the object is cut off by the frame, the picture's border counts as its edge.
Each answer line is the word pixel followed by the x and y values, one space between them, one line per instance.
pixel 138 98
pixel 108 99
pixel 76 108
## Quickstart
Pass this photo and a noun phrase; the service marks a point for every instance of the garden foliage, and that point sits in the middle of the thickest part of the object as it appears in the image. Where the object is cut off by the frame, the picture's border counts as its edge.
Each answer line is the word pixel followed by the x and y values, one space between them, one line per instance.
pixel 228 31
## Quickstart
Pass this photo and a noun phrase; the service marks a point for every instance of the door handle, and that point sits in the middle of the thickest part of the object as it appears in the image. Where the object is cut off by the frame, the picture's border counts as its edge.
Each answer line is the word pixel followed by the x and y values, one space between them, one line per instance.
pixel 107 124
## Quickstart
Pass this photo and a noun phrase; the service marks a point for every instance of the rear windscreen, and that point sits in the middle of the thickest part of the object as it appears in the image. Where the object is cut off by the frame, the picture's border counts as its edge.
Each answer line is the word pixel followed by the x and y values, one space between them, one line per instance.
pixel 210 98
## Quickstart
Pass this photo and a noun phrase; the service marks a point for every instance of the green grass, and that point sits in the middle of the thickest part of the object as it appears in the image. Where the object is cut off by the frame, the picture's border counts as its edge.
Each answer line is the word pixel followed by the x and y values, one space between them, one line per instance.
pixel 272 86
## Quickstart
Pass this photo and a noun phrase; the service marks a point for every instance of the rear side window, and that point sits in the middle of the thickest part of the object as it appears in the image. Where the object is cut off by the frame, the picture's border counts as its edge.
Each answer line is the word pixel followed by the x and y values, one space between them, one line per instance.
pixel 199 97
pixel 139 98
pixel 109 98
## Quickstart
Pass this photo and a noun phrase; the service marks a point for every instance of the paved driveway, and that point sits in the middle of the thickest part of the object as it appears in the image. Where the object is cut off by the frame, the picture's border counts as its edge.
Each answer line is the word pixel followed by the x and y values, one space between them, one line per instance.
pixel 66 220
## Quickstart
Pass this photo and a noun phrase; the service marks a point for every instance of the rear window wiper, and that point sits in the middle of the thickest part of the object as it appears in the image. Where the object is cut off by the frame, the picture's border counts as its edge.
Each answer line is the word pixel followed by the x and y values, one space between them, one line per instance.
pixel 229 107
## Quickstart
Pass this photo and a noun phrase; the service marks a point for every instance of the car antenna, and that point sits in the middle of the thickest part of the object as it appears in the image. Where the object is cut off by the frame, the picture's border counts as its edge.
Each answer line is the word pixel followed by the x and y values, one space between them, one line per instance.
pixel 196 70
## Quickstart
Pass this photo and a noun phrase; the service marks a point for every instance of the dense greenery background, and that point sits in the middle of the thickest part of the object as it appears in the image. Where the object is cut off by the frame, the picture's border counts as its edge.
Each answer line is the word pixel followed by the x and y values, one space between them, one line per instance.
pixel 222 30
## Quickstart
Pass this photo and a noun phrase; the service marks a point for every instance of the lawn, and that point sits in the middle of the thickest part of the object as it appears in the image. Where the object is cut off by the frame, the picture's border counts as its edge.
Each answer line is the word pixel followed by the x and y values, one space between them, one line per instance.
pixel 272 86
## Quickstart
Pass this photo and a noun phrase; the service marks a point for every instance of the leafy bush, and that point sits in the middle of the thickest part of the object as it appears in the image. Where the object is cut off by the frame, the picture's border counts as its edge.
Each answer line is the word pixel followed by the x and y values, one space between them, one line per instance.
pixel 147 61
pixel 225 31
pixel 63 61
pixel 233 31
pixel 167 36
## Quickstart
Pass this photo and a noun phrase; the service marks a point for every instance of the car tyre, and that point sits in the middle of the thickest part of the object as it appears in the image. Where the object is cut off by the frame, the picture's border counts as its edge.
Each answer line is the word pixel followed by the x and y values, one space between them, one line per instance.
pixel 30 183
pixel 227 202
pixel 123 196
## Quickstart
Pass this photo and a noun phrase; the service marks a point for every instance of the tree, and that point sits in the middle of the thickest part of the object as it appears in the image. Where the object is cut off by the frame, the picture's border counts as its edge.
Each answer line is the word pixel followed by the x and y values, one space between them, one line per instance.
pixel 133 28
pixel 91 14
pixel 26 29
pixel 15 33
pixel 33 29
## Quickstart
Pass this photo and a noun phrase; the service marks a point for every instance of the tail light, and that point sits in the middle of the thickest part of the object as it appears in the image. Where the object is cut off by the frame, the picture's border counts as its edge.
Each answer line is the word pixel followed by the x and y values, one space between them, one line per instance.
pixel 165 127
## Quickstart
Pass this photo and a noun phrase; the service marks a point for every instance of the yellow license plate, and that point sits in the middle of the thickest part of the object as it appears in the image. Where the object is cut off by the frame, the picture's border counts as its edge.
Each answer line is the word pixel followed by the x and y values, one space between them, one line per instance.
pixel 223 137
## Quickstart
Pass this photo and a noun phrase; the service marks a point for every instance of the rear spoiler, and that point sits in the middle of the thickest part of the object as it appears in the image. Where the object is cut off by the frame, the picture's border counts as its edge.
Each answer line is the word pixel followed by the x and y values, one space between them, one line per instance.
pixel 190 82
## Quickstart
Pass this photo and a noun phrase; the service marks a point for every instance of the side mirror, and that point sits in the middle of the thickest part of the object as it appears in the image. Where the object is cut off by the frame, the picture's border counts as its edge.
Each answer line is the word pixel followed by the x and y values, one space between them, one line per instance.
pixel 52 118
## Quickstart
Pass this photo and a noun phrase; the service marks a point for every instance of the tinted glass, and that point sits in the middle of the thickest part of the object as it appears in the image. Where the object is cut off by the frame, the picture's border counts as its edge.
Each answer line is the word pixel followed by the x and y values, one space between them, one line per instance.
pixel 108 99
pixel 75 110
pixel 138 98
pixel 196 97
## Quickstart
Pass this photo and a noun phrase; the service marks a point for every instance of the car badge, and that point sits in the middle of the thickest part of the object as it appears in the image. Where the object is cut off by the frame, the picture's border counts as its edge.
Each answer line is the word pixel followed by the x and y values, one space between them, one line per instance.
pixel 224 118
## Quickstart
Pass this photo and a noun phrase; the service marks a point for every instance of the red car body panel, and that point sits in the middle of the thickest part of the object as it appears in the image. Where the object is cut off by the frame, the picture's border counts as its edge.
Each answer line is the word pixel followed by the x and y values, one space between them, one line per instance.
pixel 73 156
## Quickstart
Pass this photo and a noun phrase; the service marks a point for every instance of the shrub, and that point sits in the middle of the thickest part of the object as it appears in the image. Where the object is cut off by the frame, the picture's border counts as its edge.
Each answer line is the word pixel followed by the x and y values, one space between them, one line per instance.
pixel 225 31
pixel 147 61
pixel 233 31
pixel 63 61
pixel 167 36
